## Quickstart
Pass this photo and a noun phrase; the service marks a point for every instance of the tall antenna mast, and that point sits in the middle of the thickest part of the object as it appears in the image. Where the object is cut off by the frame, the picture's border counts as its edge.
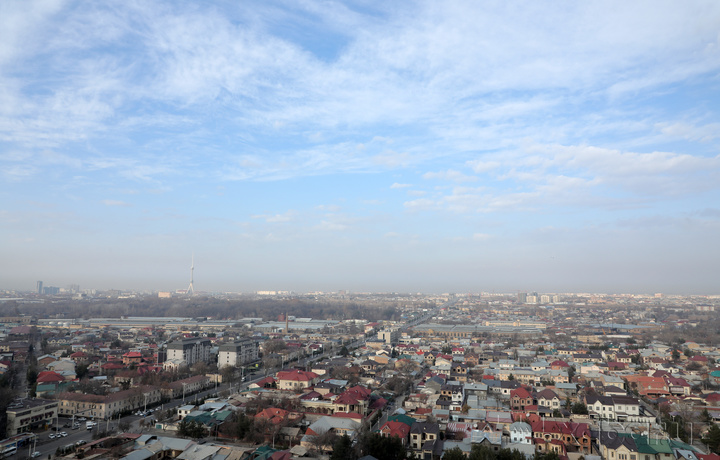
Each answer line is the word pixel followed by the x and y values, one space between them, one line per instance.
pixel 191 288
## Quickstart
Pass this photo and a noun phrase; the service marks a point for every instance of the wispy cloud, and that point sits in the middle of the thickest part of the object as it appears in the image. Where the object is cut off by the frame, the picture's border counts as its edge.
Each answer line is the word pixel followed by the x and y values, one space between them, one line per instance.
pixel 450 175
pixel 277 218
pixel 117 203
pixel 477 113
pixel 331 226
pixel 692 132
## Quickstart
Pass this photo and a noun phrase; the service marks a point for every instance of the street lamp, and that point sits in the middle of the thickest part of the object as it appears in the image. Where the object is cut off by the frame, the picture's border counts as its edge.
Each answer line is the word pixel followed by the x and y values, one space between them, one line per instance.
pixel 34 441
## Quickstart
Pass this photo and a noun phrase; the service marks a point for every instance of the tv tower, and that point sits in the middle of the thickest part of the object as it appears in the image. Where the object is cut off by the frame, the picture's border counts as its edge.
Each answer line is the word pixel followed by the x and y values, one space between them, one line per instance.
pixel 191 289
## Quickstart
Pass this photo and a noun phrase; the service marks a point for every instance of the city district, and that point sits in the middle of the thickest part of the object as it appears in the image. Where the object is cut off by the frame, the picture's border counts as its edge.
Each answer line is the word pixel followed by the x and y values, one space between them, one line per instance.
pixel 360 376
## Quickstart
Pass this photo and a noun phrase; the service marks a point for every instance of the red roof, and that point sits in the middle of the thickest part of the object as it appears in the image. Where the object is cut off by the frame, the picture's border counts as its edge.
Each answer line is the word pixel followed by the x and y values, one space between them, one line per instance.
pixel 49 377
pixel 346 398
pixel 576 429
pixel 311 395
pixel 273 414
pixel 265 381
pixel 398 429
pixel 708 456
pixel 378 403
pixel 296 375
pixel 520 393
pixel 112 366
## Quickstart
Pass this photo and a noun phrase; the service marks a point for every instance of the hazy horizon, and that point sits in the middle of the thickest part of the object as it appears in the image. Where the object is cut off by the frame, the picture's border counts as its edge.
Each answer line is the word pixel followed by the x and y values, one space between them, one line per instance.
pixel 362 145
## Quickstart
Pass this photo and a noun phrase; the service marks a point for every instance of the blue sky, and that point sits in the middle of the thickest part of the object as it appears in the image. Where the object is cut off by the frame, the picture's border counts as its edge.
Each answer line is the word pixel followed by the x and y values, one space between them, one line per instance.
pixel 367 145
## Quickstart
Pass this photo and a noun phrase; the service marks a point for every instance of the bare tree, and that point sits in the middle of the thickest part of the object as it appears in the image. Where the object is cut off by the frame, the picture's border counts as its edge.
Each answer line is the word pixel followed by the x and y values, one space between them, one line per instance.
pixel 323 441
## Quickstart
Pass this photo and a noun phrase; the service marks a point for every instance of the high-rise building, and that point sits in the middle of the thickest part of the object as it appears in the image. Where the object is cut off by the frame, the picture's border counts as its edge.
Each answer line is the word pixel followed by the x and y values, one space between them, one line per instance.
pixel 51 290
pixel 389 336
pixel 238 353
pixel 191 350
pixel 522 297
pixel 39 287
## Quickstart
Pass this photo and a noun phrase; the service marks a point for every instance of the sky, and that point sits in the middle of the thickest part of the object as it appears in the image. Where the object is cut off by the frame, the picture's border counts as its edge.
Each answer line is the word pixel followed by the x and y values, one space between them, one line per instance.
pixel 499 146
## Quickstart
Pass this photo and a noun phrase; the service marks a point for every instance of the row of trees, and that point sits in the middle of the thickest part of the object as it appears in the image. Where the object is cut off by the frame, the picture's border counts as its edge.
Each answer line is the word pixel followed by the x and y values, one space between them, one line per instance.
pixel 269 308
pixel 391 448
pixel 479 452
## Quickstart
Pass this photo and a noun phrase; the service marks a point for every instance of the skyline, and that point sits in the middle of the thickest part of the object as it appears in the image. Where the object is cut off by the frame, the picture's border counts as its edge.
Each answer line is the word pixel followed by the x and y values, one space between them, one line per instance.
pixel 505 147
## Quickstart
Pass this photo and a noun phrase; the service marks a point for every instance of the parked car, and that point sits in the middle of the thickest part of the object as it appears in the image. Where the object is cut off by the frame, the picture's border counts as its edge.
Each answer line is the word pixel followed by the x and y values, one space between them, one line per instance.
pixel 63 434
pixel 52 436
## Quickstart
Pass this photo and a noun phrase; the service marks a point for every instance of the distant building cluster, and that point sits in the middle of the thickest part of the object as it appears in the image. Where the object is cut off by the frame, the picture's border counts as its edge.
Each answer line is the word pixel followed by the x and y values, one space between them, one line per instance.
pixel 492 371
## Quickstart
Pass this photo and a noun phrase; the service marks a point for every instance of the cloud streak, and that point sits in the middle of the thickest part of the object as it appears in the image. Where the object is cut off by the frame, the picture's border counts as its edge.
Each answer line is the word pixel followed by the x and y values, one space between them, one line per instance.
pixel 490 120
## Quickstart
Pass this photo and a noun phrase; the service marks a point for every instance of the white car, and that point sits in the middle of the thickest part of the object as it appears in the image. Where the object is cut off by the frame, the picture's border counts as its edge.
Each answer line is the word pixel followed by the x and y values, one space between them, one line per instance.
pixel 63 434
pixel 35 454
pixel 52 436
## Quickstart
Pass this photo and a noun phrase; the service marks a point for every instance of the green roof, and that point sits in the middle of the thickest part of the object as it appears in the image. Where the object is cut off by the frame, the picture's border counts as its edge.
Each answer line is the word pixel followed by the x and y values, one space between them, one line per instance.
pixel 402 418
pixel 652 446
pixel 222 415
pixel 676 444
pixel 656 446
pixel 263 452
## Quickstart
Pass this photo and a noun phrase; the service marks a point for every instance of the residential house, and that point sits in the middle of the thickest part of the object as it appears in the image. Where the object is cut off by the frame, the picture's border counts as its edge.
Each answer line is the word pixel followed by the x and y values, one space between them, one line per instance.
pixel 397 429
pixel 296 379
pixel 520 398
pixel 421 432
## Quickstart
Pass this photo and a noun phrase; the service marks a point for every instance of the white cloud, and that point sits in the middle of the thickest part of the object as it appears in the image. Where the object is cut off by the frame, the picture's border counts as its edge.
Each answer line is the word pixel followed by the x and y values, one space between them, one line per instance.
pixel 610 112
pixel 701 133
pixel 329 207
pixel 481 166
pixel 482 72
pixel 326 225
pixel 450 175
pixel 117 203
pixel 277 218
